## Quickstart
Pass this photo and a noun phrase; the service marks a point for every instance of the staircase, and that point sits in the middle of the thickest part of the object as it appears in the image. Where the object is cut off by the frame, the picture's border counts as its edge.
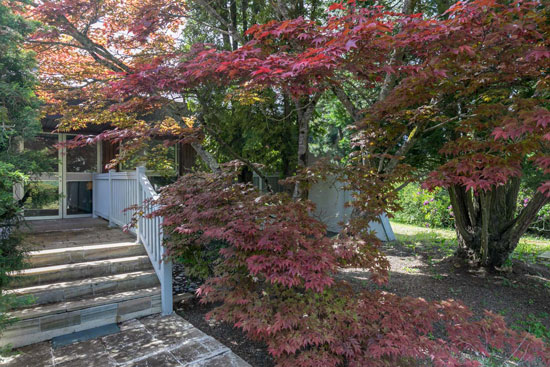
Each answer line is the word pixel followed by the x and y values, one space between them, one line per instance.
pixel 82 275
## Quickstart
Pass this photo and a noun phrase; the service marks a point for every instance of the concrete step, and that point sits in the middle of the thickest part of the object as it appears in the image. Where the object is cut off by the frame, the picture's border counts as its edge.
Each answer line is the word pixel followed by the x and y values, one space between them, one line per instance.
pixel 65 224
pixel 84 270
pixel 39 323
pixel 64 239
pixel 70 291
pixel 78 254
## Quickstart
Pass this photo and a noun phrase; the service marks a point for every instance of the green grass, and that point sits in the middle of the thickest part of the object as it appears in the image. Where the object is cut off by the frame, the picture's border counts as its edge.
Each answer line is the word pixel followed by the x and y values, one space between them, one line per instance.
pixel 534 325
pixel 444 240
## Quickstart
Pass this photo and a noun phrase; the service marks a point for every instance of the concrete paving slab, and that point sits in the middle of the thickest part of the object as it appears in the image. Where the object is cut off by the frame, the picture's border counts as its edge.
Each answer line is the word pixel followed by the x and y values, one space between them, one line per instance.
pixel 152 341
pixel 228 359
pixel 95 361
pixel 79 351
pixel 171 329
pixel 191 351
pixel 131 345
pixel 39 354
pixel 165 359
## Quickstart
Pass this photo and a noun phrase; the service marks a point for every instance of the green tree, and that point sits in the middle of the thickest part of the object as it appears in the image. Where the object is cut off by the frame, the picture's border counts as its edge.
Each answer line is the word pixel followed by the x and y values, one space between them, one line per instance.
pixel 19 120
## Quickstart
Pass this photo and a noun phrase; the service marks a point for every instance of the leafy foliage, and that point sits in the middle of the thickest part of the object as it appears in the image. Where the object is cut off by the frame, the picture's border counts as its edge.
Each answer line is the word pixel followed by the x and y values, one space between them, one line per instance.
pixel 433 209
pixel 424 208
pixel 277 280
pixel 18 121
pixel 200 259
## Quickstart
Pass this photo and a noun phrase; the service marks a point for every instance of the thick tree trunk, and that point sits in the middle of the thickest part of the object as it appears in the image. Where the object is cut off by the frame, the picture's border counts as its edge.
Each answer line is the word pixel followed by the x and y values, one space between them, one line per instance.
pixel 487 227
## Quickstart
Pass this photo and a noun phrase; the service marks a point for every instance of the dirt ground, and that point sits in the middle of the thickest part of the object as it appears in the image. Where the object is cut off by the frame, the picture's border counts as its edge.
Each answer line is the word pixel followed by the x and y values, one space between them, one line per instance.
pixel 515 294
pixel 522 295
pixel 254 353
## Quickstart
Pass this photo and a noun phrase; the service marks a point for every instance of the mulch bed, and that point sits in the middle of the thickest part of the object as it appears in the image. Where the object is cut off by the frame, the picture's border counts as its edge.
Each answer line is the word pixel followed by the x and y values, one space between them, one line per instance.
pixel 515 295
pixel 254 353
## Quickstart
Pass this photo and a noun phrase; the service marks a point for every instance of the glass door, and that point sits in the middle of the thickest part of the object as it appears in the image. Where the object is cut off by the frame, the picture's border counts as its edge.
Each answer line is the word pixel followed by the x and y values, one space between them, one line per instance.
pixel 42 195
pixel 65 189
pixel 79 165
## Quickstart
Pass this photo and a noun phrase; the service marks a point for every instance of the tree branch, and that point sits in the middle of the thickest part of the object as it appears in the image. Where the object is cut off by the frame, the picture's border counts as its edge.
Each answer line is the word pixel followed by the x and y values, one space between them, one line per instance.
pixel 206 157
pixel 233 32
pixel 521 223
pixel 54 43
pixel 347 103
pixel 397 56
pixel 236 155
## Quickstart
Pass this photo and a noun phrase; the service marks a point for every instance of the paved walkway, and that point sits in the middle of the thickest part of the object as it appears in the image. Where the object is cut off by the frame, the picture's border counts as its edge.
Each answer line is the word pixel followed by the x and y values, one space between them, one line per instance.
pixel 152 341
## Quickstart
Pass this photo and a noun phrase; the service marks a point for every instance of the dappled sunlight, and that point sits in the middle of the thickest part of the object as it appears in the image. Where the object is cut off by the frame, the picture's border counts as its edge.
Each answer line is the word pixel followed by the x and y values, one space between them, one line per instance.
pixel 410 230
pixel 443 242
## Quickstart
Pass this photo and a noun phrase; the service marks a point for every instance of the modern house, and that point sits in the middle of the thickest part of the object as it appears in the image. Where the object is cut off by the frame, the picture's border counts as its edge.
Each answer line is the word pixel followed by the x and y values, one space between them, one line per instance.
pixel 85 272
pixel 67 190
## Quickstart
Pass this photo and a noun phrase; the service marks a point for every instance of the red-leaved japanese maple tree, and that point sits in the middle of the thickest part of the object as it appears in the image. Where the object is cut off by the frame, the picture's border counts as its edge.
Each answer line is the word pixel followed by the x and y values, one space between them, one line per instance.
pixel 482 82
pixel 277 276
pixel 478 77
pixel 277 279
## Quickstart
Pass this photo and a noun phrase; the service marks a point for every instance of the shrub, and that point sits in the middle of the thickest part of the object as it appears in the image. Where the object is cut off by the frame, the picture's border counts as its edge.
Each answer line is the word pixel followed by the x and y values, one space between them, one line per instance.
pixel 19 120
pixel 541 225
pixel 200 260
pixel 12 257
pixel 277 280
pixel 424 208
pixel 433 209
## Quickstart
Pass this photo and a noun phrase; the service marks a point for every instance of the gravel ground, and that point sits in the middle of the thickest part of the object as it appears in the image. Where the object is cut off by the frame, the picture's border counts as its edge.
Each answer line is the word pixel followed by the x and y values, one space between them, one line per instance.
pixel 516 294
pixel 182 283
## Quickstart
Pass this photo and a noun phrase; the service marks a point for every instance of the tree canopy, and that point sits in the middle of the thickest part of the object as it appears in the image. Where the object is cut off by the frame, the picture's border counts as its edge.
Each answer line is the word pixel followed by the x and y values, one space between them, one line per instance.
pixel 19 114
pixel 461 93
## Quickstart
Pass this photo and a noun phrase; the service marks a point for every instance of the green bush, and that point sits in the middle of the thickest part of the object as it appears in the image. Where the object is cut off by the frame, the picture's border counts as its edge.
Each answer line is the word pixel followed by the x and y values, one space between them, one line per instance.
pixel 200 261
pixel 541 225
pixel 19 121
pixel 433 209
pixel 12 256
pixel 424 208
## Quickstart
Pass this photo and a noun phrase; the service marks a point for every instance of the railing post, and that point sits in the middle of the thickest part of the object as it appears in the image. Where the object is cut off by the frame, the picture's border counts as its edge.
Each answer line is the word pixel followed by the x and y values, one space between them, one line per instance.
pixel 150 234
pixel 166 288
pixel 111 201
pixel 139 199
pixel 94 195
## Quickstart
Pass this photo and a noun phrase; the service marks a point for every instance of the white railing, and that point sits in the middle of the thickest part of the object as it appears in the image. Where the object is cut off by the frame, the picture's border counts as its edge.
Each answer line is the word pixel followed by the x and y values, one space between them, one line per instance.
pixel 116 191
pixel 113 193
pixel 149 232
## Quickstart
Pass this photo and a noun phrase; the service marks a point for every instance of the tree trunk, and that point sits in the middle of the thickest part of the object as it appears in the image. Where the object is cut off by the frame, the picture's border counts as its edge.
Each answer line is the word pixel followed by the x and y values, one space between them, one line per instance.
pixel 304 113
pixel 487 227
pixel 233 13
pixel 244 15
pixel 207 158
